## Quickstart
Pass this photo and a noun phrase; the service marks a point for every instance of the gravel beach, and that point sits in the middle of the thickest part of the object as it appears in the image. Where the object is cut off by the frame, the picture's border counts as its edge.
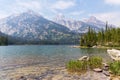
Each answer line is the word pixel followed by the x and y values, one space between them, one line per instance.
pixel 38 72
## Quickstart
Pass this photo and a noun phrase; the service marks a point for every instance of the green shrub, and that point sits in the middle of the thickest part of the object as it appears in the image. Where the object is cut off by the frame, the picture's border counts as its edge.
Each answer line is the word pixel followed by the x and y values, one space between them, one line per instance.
pixel 115 67
pixel 77 66
pixel 82 66
pixel 95 62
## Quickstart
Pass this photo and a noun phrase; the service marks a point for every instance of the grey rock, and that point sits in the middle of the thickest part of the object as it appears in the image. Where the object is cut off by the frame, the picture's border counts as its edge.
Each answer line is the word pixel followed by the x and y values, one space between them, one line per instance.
pixel 105 64
pixel 105 68
pixel 106 73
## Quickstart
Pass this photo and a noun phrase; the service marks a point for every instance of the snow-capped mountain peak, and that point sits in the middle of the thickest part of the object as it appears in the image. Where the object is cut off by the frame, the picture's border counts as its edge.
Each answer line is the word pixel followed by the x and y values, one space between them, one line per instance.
pixel 81 26
pixel 92 19
pixel 59 17
pixel 30 25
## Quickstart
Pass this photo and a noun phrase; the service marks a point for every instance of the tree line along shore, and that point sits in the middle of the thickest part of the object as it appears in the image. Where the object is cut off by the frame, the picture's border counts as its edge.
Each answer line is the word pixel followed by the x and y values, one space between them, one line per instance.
pixel 110 37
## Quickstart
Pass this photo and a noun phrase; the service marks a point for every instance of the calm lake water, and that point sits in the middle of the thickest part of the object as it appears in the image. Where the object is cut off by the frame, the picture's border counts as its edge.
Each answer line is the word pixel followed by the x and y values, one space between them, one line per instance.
pixel 48 55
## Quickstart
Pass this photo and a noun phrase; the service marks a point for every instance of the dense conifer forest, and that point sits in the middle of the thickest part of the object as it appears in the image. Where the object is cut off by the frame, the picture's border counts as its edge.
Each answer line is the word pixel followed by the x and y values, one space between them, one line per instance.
pixel 109 37
pixel 3 40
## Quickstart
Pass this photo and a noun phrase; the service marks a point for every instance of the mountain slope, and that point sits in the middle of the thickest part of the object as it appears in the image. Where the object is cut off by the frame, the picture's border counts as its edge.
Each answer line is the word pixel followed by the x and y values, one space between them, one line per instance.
pixel 1 34
pixel 32 27
pixel 80 26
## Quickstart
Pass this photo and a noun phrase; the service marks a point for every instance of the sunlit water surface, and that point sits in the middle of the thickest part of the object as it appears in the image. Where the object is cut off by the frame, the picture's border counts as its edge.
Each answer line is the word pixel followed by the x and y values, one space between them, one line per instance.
pixel 47 55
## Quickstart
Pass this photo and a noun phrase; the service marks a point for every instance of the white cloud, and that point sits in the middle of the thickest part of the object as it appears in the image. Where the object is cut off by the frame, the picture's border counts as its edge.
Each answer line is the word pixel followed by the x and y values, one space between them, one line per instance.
pixel 22 5
pixel 61 5
pixel 112 2
pixel 111 17
pixel 3 16
pixel 35 5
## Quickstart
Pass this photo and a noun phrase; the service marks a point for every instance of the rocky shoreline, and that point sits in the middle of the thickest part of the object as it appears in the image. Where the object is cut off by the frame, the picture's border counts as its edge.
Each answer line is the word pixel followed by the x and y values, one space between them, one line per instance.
pixel 56 72
pixel 38 72
pixel 99 46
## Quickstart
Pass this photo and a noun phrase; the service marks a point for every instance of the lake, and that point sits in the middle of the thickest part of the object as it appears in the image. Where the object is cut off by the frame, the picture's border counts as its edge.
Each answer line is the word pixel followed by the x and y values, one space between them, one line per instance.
pixel 47 55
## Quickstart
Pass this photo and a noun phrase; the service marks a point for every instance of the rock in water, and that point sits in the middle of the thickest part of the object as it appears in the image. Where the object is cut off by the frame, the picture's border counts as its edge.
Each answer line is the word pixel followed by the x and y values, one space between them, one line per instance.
pixel 84 58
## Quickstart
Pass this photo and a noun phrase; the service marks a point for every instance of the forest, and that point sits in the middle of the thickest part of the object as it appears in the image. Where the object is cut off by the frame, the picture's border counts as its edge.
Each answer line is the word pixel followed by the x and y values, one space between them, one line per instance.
pixel 109 37
pixel 3 40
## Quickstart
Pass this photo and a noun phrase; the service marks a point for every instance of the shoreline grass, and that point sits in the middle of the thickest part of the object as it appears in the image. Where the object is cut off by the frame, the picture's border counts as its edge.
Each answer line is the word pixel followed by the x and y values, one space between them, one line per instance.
pixel 81 66
pixel 95 62
pixel 76 66
pixel 115 68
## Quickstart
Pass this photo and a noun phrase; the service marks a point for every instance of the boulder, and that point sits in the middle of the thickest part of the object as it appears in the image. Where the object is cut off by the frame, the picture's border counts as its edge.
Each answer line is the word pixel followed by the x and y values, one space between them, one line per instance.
pixel 97 70
pixel 105 68
pixel 94 47
pixel 105 64
pixel 84 58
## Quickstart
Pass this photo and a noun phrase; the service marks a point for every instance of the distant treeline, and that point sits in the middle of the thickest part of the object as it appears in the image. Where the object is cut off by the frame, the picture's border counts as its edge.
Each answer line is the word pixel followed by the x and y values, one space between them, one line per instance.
pixel 3 40
pixel 108 37
pixel 8 40
pixel 43 42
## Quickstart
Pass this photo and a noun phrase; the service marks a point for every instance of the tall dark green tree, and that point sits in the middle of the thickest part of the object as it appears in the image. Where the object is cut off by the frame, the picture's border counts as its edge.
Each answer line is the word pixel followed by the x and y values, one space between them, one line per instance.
pixel 89 39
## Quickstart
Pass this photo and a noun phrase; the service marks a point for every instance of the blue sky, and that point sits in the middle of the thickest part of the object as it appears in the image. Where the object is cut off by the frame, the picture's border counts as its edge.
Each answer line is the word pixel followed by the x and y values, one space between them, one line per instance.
pixel 105 10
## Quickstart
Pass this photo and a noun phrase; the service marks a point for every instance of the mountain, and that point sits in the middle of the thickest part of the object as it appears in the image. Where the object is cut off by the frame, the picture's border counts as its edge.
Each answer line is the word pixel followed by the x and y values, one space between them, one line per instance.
pixel 31 27
pixel 80 26
pixel 95 22
pixel 1 34
pixel 69 23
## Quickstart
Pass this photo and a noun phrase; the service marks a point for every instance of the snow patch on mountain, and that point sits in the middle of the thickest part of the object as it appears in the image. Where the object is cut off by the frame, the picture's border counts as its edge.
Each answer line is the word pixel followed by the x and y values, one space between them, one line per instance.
pixel 81 26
